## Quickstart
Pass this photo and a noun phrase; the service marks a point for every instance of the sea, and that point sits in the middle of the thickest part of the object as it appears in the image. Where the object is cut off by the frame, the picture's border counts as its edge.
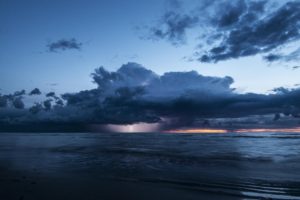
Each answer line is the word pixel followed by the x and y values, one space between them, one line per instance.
pixel 149 166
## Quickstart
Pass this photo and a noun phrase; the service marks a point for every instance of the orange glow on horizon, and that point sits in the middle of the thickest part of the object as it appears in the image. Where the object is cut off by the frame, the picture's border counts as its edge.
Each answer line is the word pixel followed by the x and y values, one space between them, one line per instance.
pixel 277 130
pixel 254 130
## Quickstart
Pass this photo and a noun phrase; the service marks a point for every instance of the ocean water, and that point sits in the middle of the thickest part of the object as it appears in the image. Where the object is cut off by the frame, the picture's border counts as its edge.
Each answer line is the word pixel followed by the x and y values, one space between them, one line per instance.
pixel 231 165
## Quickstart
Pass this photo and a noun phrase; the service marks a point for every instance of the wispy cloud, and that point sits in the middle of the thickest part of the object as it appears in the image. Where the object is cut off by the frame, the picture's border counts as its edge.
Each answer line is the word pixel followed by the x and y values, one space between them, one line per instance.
pixel 234 29
pixel 64 44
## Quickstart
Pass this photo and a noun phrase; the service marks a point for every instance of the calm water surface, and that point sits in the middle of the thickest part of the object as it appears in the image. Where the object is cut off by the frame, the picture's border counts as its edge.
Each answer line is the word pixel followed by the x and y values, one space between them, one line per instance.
pixel 239 166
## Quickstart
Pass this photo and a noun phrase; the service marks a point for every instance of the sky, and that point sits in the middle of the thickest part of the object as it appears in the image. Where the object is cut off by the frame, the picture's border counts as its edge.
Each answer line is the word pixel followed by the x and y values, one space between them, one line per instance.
pixel 110 33
pixel 250 50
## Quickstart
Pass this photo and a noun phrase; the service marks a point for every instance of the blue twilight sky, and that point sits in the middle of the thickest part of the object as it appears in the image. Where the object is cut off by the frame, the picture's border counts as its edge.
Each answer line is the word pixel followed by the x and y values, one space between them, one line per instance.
pixel 109 36
pixel 169 63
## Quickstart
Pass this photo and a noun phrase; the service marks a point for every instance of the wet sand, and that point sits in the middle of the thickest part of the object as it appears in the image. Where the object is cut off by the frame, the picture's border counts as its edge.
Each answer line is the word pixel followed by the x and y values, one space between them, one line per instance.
pixel 149 166
pixel 89 186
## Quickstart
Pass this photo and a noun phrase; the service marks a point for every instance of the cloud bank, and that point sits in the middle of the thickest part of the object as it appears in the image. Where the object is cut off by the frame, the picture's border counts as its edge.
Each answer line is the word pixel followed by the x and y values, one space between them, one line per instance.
pixel 235 29
pixel 134 94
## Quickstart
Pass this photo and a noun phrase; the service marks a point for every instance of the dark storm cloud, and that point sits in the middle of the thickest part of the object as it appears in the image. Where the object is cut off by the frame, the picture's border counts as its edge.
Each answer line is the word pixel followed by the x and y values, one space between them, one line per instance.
pixel 18 103
pixel 47 104
pixel 50 94
pixel 35 91
pixel 19 93
pixel 253 32
pixel 173 24
pixel 134 94
pixel 235 29
pixel 37 107
pixel 3 101
pixel 292 56
pixel 15 100
pixel 272 57
pixel 64 44
pixel 174 27
pixel 296 67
